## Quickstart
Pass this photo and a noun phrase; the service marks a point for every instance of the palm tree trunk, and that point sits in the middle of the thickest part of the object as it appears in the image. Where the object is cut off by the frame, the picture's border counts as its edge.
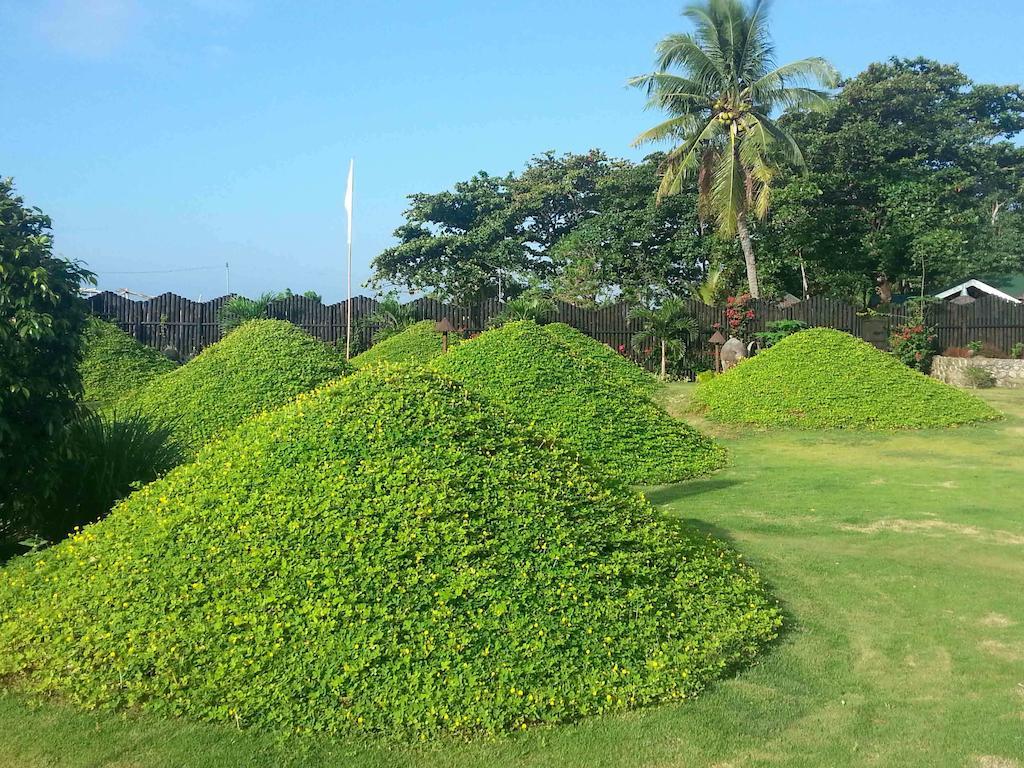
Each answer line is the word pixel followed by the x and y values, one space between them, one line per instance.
pixel 663 355
pixel 748 255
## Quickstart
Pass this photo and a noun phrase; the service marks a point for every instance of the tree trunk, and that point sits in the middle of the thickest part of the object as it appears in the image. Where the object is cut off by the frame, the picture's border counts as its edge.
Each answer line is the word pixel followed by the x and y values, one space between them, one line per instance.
pixel 748 255
pixel 663 355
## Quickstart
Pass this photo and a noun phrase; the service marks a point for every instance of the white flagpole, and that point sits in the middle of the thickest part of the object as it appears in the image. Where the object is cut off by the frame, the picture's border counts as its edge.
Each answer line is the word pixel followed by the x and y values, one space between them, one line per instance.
pixel 348 300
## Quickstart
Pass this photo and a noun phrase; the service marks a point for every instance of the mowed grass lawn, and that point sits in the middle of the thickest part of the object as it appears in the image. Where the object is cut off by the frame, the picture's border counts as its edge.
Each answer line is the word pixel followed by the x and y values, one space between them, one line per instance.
pixel 899 559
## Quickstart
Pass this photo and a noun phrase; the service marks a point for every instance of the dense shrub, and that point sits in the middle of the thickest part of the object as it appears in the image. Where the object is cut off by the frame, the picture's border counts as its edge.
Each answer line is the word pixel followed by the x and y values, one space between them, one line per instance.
pixel 418 343
pixel 114 364
pixel 388 554
pixel 578 399
pixel 826 378
pixel 776 330
pixel 979 378
pixel 619 367
pixel 914 345
pixel 41 319
pixel 98 460
pixel 260 365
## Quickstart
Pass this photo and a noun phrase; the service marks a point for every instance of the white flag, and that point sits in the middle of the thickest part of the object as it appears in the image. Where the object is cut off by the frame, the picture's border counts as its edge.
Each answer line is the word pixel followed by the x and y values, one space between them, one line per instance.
pixel 348 197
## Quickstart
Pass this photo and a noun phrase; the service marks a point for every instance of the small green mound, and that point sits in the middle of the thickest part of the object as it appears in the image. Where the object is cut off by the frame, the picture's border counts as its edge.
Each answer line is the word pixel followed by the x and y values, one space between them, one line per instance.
pixel 826 378
pixel 577 399
pixel 260 365
pixel 419 344
pixel 622 369
pixel 113 363
pixel 388 554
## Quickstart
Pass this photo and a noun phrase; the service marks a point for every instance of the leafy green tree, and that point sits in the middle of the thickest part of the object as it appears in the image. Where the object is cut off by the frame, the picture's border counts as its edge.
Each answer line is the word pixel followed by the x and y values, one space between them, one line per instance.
pixel 633 247
pixel 461 246
pixel 670 327
pixel 42 316
pixel 912 170
pixel 721 109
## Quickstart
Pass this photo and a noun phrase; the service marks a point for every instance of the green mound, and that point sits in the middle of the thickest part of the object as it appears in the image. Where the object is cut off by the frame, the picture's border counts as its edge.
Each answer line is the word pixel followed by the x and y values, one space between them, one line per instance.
pixel 113 363
pixel 418 343
pixel 260 365
pixel 389 554
pixel 826 378
pixel 622 369
pixel 574 397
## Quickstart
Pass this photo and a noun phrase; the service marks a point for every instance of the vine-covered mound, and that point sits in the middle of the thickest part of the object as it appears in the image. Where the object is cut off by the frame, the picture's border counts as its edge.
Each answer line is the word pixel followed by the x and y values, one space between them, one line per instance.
pixel 113 363
pixel 826 378
pixel 621 368
pixel 419 343
pixel 389 554
pixel 580 400
pixel 262 364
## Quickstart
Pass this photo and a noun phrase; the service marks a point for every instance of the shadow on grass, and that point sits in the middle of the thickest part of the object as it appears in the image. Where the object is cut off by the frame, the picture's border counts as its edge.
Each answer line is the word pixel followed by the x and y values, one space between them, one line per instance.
pixel 667 494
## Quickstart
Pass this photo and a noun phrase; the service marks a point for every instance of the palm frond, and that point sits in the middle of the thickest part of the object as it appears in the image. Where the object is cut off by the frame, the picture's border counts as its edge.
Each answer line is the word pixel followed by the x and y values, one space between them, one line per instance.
pixel 677 127
pixel 728 187
pixel 779 138
pixel 683 51
pixel 810 71
pixel 684 159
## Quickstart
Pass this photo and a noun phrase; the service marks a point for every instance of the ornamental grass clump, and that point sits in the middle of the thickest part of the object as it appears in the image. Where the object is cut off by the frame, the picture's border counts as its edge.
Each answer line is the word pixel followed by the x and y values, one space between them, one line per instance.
pixel 580 400
pixel 114 364
pixel 419 343
pixel 826 378
pixel 262 364
pixel 389 554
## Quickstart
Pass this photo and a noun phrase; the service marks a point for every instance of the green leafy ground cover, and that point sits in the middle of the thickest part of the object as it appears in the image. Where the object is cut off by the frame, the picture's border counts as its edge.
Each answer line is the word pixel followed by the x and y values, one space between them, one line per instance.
pixel 113 363
pixel 826 378
pixel 262 364
pixel 896 556
pixel 419 343
pixel 579 399
pixel 620 368
pixel 390 554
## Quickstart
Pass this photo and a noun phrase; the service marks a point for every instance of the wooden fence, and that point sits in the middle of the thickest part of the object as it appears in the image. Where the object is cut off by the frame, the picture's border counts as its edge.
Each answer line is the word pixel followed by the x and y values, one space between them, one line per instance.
pixel 188 326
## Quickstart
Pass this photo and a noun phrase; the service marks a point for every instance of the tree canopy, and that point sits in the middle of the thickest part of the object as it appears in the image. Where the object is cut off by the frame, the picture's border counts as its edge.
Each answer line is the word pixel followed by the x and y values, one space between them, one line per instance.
pixel 911 168
pixel 41 321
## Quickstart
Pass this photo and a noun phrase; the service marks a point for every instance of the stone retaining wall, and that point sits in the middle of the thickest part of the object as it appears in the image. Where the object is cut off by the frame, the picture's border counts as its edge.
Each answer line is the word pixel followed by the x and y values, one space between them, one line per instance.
pixel 1007 373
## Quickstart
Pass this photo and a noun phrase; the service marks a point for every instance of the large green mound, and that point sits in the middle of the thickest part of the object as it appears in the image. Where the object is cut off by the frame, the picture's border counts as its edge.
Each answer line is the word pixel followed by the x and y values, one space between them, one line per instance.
pixel 622 369
pixel 826 378
pixel 419 343
pixel 389 554
pixel 580 400
pixel 260 365
pixel 113 363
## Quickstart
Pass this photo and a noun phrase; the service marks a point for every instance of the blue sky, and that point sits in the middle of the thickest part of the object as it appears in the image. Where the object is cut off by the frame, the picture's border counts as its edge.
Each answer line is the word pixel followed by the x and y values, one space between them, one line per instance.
pixel 182 134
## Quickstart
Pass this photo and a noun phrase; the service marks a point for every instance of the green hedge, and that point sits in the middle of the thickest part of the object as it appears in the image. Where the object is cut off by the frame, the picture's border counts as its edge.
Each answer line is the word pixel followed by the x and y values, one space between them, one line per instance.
pixel 389 554
pixel 580 400
pixel 113 363
pixel 620 368
pixel 262 364
pixel 826 378
pixel 419 343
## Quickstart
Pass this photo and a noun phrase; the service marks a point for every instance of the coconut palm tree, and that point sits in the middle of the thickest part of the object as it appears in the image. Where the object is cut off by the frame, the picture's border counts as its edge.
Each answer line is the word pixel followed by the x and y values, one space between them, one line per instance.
pixel 669 326
pixel 721 106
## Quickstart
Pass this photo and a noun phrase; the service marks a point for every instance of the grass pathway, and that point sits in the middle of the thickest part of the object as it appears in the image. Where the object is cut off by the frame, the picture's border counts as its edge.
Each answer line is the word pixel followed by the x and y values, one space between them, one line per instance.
pixel 898 558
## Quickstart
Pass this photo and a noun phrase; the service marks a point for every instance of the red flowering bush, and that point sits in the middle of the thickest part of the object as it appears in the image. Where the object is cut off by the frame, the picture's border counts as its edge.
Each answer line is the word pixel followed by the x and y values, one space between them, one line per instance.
pixel 739 314
pixel 914 345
